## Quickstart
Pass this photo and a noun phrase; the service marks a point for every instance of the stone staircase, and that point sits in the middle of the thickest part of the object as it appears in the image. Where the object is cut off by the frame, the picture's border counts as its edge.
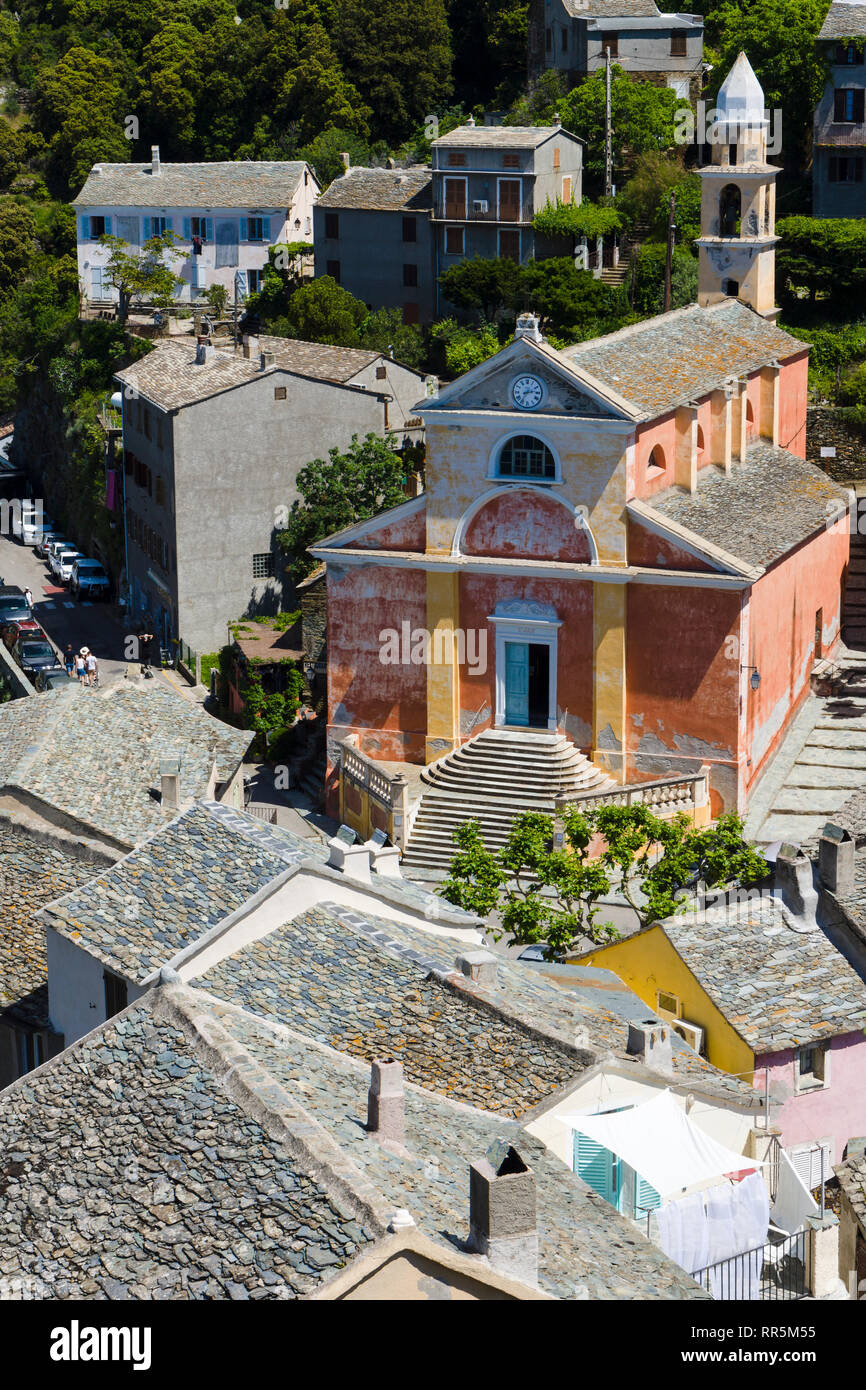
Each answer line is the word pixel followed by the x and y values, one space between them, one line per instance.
pixel 618 275
pixel 854 609
pixel 491 779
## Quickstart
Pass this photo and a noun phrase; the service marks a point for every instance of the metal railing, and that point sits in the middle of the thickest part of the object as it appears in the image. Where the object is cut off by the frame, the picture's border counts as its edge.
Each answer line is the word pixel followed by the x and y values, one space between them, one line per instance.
pixel 776 1271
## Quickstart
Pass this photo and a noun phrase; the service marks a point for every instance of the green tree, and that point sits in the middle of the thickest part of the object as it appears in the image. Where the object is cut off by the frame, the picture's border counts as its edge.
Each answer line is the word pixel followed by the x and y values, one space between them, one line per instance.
pixel 649 280
pixel 483 285
pixel 366 479
pixel 397 53
pixel 586 219
pixel 79 107
pixel 12 153
pixel 142 274
pixel 170 81
pixel 325 153
pixel 384 331
pixel 571 303
pixel 217 297
pixel 17 243
pixel 822 259
pixel 323 312
pixel 489 39
pixel 552 895
pixel 457 349
pixel 642 116
pixel 316 93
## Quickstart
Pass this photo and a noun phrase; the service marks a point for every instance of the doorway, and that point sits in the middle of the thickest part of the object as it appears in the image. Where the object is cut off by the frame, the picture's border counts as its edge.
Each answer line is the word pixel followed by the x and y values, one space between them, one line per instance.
pixel 527 684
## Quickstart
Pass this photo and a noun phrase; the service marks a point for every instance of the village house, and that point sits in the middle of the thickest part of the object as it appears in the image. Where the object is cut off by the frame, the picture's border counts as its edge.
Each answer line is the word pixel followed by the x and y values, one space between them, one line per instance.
pixel 224 216
pixel 200 522
pixel 839 137
pixel 623 569
pixel 85 776
pixel 572 37
pixel 852 1219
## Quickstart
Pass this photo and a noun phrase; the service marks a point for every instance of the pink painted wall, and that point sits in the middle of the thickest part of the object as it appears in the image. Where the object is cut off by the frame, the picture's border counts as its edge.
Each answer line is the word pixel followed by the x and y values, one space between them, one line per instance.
pixel 526 523
pixel 782 608
pixel 654 552
pixel 794 385
pixel 408 534
pixel 661 433
pixel 837 1110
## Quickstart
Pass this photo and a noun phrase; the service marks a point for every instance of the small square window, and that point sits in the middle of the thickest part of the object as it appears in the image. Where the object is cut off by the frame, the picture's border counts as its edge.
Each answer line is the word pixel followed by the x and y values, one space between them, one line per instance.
pixel 812 1067
pixel 678 45
pixel 454 241
pixel 381 373
pixel 334 270
pixel 511 161
pixel 279 393
pixel 410 276
pixel 456 159
pixel 410 229
pixel 263 566
pixel 332 226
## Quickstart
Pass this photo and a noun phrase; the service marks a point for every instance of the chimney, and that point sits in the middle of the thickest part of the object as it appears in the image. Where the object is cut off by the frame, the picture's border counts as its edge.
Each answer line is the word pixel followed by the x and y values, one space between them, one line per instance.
pixel 169 780
pixel 471 123
pixel 557 119
pixel 344 155
pixel 96 170
pixel 795 888
pixel 251 345
pixel 350 858
pixel 650 1042
pixel 502 1219
pixel 204 350
pixel 836 859
pixel 527 327
pixel 154 159
pixel 266 359
pixel 478 966
pixel 386 1105
pixel 390 163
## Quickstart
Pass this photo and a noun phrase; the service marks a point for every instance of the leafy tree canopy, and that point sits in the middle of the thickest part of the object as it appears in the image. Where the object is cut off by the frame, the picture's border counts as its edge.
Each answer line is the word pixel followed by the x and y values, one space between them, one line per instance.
pixel 552 895
pixel 643 118
pixel 397 53
pixel 822 258
pixel 571 303
pixel 649 280
pixel 323 312
pixel 586 219
pixel 142 274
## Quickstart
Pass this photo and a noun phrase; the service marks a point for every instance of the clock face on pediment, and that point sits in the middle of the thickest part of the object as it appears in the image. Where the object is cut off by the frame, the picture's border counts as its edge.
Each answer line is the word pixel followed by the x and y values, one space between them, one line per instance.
pixel 531 387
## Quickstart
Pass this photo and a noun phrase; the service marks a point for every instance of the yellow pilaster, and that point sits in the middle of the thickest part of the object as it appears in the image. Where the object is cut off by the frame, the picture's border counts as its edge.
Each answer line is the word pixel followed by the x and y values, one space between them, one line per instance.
pixel 608 703
pixel 443 676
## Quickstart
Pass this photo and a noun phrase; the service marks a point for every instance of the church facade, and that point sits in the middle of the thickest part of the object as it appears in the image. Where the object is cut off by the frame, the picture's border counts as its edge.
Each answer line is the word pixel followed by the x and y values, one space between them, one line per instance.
pixel 620 541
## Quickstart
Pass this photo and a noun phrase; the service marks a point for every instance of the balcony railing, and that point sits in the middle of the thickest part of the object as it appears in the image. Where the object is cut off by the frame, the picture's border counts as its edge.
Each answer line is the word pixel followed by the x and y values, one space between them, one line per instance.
pixel 777 1271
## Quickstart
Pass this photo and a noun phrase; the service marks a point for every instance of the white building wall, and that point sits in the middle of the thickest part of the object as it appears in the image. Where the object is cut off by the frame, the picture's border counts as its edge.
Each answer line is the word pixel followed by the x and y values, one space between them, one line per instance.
pixel 76 988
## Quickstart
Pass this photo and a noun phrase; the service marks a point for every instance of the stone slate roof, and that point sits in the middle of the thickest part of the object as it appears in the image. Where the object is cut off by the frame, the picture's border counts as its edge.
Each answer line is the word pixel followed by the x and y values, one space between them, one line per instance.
pixel 583 1241
pixel 777 987
pixel 170 377
pixel 359 983
pixel 95 754
pixel 129 1171
pixel 768 505
pixel 32 873
pixel 844 21
pixel 237 183
pixel 381 190
pixel 612 9
pixel 500 137
pixel 852 1180
pixel 674 358
pixel 139 913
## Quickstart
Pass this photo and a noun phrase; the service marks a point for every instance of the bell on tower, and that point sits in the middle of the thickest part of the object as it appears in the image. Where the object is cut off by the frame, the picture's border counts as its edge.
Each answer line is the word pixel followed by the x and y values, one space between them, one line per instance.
pixel 737 258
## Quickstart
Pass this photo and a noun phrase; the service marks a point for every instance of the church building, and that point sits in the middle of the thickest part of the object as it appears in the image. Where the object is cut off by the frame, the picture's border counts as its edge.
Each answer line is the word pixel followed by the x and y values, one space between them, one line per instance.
pixel 621 544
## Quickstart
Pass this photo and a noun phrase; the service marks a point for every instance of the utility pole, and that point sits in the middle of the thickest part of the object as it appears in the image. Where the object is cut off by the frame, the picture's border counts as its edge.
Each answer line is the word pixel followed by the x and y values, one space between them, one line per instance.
pixel 608 150
pixel 670 253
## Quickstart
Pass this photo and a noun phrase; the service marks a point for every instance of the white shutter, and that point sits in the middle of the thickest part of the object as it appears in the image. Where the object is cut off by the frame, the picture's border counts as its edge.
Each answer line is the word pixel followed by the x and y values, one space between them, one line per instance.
pixel 807 1162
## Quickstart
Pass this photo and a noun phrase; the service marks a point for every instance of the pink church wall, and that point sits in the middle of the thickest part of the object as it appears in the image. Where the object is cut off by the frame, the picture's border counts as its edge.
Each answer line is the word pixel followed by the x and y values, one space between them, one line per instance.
pixel 661 433
pixel 837 1111
pixel 526 523
pixel 794 385
pixel 408 534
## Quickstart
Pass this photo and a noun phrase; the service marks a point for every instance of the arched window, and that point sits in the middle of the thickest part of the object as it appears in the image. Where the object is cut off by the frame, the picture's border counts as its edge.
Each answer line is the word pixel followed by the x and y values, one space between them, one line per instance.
pixel 729 210
pixel 524 456
pixel 702 448
pixel 656 463
pixel 751 430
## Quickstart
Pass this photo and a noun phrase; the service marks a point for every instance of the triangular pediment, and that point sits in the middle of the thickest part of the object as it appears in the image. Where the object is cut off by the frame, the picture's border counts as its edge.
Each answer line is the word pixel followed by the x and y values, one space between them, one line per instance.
pixel 564 391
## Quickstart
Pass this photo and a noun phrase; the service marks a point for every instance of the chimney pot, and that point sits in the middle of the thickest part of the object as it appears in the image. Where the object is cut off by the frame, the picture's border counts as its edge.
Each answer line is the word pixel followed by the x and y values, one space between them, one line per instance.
pixel 527 326
pixel 344 155
pixel 386 1104
pixel 502 1212
pixel 266 359
pixel 479 966
pixel 251 345
pixel 794 885
pixel 471 122
pixel 650 1041
pixel 345 854
pixel 154 159
pixel 836 859
pixel 169 778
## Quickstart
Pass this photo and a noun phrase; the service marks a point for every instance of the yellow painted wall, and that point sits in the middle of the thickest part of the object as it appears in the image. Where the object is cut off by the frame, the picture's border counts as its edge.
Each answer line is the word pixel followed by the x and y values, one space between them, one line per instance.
pixel 609 693
pixel 443 677
pixel 648 963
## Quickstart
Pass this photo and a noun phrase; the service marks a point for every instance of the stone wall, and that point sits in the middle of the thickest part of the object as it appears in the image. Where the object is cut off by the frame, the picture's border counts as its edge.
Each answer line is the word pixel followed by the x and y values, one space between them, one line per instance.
pixel 825 428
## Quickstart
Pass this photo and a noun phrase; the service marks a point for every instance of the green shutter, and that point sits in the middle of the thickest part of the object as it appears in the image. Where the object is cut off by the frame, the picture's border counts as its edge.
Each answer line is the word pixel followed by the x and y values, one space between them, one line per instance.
pixel 595 1164
pixel 645 1196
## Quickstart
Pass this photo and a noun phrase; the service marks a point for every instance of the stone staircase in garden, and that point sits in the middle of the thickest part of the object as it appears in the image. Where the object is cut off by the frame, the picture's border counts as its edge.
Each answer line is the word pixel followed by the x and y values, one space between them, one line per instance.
pixel 618 275
pixel 491 779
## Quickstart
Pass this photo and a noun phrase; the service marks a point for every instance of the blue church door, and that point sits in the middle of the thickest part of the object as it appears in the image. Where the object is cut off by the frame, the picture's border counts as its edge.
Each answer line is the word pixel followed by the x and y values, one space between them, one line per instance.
pixel 517 683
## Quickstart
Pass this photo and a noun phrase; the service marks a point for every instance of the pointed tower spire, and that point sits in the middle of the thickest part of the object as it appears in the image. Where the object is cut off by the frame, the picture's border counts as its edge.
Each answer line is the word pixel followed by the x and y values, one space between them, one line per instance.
pixel 737 258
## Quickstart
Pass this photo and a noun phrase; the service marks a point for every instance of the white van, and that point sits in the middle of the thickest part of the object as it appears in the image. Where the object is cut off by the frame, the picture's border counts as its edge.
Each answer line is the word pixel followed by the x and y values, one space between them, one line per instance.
pixel 62 566
pixel 33 522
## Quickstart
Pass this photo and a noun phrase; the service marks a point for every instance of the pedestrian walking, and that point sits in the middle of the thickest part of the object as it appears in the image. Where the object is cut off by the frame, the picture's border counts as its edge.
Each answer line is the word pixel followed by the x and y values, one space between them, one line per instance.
pixel 69 659
pixel 92 669
pixel 28 597
pixel 80 667
pixel 85 653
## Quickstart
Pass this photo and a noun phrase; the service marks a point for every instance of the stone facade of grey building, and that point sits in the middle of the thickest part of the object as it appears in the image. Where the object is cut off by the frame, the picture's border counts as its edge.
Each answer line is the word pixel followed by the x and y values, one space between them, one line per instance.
pixel 839 137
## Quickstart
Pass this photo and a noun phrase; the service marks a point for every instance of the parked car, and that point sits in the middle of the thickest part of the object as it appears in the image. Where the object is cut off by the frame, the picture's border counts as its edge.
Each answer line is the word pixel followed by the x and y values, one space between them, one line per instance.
pixel 13 607
pixel 32 523
pixel 43 541
pixel 54 678
pixel 61 563
pixel 54 548
pixel 539 951
pixel 89 580
pixel 34 654
pixel 11 631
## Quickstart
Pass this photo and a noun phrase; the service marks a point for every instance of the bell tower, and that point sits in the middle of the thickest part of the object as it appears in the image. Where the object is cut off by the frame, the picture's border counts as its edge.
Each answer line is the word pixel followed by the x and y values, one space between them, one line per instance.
pixel 737 257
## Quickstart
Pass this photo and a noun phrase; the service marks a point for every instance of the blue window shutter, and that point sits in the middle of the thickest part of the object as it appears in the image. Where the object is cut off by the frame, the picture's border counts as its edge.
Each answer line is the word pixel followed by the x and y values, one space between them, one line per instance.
pixel 208 229
pixel 266 230
pixel 245 229
pixel 168 224
pixel 187 228
pixel 594 1164
pixel 108 226
pixel 645 1196
pixel 85 229
pixel 145 228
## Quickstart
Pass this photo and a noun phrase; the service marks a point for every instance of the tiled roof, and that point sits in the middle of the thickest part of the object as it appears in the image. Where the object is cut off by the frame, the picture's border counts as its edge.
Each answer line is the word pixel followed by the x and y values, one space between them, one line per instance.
pixel 139 913
pixel 673 358
pixel 95 755
pixel 32 873
pixel 852 1180
pixel 768 505
pixel 508 137
pixel 777 987
pixel 612 9
pixel 383 190
pixel 130 1170
pixel 844 21
pixel 238 183
pixel 170 377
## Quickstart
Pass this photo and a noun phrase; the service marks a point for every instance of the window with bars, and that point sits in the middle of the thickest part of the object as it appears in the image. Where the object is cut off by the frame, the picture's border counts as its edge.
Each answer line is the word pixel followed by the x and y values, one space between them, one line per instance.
pixel 263 566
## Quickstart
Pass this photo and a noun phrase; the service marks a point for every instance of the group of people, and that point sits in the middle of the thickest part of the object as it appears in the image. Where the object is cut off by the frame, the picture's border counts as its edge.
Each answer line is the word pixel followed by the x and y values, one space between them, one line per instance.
pixel 83 665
